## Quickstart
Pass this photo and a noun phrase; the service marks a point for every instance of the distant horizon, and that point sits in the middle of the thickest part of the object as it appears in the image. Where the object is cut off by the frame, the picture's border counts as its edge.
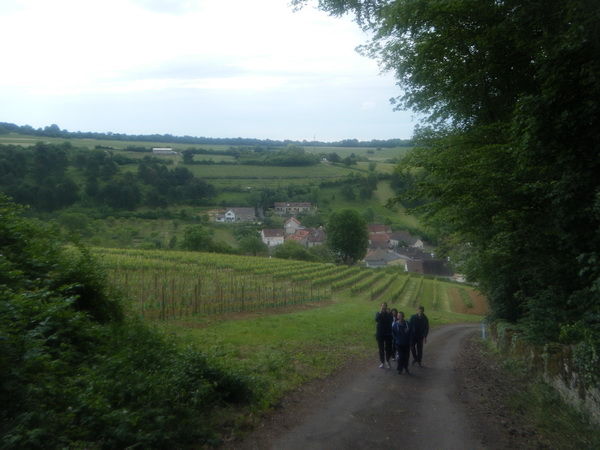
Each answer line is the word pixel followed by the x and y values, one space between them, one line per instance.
pixel 51 128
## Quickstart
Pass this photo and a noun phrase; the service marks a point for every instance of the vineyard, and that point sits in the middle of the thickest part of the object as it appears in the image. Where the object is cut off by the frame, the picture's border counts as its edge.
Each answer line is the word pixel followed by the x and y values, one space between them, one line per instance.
pixel 174 285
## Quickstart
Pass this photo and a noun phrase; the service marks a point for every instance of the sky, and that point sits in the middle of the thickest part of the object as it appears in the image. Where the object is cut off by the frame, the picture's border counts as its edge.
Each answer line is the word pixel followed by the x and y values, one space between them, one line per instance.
pixel 210 68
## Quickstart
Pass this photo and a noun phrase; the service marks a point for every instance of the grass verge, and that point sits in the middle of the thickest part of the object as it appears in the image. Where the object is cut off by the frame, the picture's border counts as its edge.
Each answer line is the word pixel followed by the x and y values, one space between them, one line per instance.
pixel 527 412
pixel 284 349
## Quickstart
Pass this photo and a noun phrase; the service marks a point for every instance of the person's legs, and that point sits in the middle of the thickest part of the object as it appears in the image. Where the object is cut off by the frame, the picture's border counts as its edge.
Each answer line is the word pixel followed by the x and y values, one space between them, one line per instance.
pixel 388 350
pixel 419 350
pixel 413 349
pixel 404 356
pixel 380 343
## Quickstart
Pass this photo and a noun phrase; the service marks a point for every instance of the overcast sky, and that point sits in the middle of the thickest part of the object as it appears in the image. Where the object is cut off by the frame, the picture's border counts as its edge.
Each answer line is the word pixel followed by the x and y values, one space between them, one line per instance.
pixel 213 68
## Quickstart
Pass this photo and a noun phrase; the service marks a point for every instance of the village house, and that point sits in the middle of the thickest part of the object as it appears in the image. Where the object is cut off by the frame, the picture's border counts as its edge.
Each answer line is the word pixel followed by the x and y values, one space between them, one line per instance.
pixel 404 239
pixel 412 253
pixel 381 258
pixel 317 236
pixel 379 241
pixel 214 214
pixel 272 237
pixel 293 208
pixel 292 225
pixel 237 215
pixel 300 236
pixel 377 228
pixel 306 236
pixel 436 267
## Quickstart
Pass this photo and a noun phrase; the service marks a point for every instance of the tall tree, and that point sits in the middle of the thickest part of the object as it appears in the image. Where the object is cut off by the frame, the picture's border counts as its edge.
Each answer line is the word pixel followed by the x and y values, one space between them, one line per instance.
pixel 197 239
pixel 347 235
pixel 510 148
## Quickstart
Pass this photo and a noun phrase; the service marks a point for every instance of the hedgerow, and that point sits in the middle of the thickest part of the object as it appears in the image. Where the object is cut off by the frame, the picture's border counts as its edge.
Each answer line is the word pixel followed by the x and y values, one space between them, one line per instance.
pixel 74 372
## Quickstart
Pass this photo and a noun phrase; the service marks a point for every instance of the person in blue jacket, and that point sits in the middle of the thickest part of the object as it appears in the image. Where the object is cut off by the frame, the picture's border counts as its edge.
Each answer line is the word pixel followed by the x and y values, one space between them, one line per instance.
pixel 402 337
pixel 383 334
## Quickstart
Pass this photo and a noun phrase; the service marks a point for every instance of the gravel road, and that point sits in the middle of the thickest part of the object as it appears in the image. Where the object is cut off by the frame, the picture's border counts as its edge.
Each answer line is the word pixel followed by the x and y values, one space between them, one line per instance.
pixel 371 408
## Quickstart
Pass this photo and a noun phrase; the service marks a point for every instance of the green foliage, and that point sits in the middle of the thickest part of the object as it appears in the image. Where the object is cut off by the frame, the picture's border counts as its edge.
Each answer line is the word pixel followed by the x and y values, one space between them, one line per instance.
pixel 293 250
pixel 292 155
pixel 509 160
pixel 586 351
pixel 252 245
pixel 196 238
pixel 75 373
pixel 347 235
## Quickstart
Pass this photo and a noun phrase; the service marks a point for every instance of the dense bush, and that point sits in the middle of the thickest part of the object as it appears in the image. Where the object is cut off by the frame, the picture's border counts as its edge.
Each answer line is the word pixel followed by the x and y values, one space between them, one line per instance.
pixel 75 373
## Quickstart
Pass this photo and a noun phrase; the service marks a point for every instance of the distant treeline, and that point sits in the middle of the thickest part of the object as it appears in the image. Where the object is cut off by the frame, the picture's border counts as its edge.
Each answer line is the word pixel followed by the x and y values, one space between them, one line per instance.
pixel 55 131
pixel 51 177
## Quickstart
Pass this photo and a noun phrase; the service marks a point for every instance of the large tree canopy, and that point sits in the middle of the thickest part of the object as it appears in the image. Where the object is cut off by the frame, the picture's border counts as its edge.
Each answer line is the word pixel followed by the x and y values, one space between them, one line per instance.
pixel 509 155
pixel 347 235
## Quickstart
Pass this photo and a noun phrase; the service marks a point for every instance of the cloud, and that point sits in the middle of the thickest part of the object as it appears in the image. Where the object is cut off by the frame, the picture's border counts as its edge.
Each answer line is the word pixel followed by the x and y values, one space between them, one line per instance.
pixel 158 66
pixel 167 6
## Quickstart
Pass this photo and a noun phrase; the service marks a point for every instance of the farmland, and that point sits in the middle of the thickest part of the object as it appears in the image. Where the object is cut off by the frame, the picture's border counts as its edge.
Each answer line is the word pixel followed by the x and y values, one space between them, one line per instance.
pixel 116 193
pixel 274 323
pixel 175 286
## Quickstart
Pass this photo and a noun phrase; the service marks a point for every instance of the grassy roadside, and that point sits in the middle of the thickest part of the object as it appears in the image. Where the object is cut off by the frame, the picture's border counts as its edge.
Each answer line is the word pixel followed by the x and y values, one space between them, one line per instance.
pixel 516 409
pixel 284 349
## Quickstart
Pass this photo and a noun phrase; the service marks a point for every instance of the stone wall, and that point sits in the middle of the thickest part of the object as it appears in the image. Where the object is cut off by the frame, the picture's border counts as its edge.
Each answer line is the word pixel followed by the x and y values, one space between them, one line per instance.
pixel 552 363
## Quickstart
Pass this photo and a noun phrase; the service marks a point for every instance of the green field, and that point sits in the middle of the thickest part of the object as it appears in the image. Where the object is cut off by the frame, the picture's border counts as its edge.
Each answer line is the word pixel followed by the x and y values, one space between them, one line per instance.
pixel 182 285
pixel 243 308
pixel 25 140
pixel 240 172
pixel 236 185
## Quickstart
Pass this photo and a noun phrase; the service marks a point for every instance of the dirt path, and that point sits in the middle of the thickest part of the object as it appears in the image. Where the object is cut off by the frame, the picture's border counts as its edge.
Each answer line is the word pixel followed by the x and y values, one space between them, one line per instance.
pixel 371 408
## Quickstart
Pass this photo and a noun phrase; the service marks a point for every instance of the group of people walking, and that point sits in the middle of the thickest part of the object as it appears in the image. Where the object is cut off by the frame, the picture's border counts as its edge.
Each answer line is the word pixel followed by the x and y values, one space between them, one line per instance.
pixel 398 338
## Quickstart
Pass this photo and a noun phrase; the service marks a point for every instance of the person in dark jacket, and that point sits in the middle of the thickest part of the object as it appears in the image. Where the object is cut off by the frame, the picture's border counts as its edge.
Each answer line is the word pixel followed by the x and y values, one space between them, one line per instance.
pixel 383 334
pixel 419 325
pixel 394 318
pixel 402 335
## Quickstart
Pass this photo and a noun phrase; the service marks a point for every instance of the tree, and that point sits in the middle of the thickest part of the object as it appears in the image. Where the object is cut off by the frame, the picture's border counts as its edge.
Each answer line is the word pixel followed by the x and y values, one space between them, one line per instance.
pixel 253 245
pixel 196 238
pixel 65 338
pixel 347 235
pixel 34 259
pixel 121 193
pixel 188 156
pixel 293 250
pixel 508 153
pixel 321 253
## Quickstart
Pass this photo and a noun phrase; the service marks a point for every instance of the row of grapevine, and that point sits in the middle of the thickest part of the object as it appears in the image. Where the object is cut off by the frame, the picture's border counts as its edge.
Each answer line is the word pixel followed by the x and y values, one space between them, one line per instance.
pixel 332 277
pixel 175 288
pixel 367 283
pixel 163 285
pixel 348 282
pixel 380 289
